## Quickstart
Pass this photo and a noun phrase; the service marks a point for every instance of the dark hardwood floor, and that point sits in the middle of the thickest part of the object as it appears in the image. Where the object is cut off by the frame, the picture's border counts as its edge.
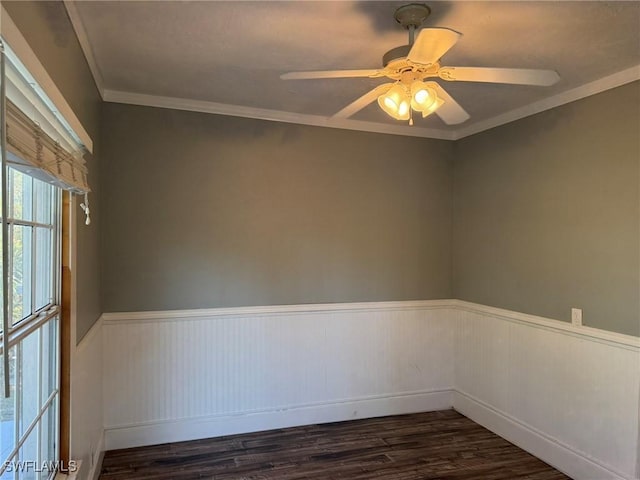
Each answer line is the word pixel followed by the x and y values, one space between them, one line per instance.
pixel 436 445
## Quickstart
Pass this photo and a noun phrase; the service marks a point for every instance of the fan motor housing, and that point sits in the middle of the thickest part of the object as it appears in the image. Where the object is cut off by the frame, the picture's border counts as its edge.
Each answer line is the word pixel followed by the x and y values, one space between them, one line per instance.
pixel 395 54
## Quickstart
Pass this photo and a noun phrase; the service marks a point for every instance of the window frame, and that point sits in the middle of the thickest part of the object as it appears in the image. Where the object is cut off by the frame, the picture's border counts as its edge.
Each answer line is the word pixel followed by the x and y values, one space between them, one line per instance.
pixel 47 409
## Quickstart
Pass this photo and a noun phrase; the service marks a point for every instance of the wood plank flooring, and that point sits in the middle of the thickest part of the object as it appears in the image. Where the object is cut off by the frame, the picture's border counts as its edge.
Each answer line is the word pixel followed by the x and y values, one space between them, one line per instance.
pixel 435 445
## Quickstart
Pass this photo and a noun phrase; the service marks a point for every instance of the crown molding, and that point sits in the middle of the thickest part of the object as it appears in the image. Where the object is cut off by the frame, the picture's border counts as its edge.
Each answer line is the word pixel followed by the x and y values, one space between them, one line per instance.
pixel 272 115
pixel 85 45
pixel 606 83
pixel 592 88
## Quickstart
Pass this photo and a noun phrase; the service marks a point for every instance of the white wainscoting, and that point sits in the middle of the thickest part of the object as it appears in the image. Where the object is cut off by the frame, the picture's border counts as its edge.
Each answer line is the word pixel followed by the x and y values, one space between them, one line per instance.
pixel 87 425
pixel 567 394
pixel 171 376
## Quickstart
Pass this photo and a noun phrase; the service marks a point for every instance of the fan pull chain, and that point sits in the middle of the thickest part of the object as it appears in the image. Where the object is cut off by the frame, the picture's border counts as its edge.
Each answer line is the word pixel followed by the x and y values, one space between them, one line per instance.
pixel 411 117
pixel 85 208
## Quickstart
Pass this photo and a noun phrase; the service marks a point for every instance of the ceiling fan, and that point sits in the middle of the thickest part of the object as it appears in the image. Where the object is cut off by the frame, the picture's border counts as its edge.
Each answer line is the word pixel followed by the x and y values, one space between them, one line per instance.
pixel 410 65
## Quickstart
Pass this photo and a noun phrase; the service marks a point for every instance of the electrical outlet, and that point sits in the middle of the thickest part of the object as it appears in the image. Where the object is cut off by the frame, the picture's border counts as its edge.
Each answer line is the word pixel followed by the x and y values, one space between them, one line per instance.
pixel 576 317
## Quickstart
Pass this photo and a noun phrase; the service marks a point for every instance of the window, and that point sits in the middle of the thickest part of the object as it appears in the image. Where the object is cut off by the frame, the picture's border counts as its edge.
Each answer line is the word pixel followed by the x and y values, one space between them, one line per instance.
pixel 41 154
pixel 29 417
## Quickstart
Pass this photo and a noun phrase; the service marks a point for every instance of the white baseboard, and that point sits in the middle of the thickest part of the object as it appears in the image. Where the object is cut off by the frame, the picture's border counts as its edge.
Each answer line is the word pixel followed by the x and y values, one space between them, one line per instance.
pixel 560 456
pixel 215 426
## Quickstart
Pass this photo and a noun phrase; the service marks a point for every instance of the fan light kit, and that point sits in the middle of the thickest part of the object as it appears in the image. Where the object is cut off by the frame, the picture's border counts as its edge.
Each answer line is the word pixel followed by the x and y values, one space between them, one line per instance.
pixel 410 65
pixel 400 100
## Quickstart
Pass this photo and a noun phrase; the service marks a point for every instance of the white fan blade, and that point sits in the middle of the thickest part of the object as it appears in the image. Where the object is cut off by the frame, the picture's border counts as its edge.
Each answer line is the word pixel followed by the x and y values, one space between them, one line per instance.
pixel 363 101
pixel 517 76
pixel 450 111
pixel 432 44
pixel 330 74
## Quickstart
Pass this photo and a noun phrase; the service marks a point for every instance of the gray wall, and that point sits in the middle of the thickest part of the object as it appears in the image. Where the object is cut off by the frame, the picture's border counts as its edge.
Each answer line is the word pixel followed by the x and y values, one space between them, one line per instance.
pixel 546 213
pixel 212 211
pixel 49 32
pixel 209 211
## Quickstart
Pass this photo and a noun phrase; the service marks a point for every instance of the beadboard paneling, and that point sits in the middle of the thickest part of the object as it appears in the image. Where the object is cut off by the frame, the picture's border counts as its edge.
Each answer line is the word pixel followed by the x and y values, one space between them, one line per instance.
pixel 566 394
pixel 87 428
pixel 216 372
pixel 579 392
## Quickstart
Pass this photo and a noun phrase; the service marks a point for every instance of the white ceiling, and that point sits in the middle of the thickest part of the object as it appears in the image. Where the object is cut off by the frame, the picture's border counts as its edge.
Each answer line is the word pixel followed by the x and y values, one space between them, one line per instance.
pixel 227 57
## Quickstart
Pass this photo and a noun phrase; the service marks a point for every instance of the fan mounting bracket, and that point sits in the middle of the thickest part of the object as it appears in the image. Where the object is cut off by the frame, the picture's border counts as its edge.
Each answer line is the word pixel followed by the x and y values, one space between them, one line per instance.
pixel 412 15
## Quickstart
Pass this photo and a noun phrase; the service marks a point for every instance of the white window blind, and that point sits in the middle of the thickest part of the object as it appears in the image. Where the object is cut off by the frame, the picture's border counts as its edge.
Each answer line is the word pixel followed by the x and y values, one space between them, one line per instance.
pixel 33 151
pixel 39 140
